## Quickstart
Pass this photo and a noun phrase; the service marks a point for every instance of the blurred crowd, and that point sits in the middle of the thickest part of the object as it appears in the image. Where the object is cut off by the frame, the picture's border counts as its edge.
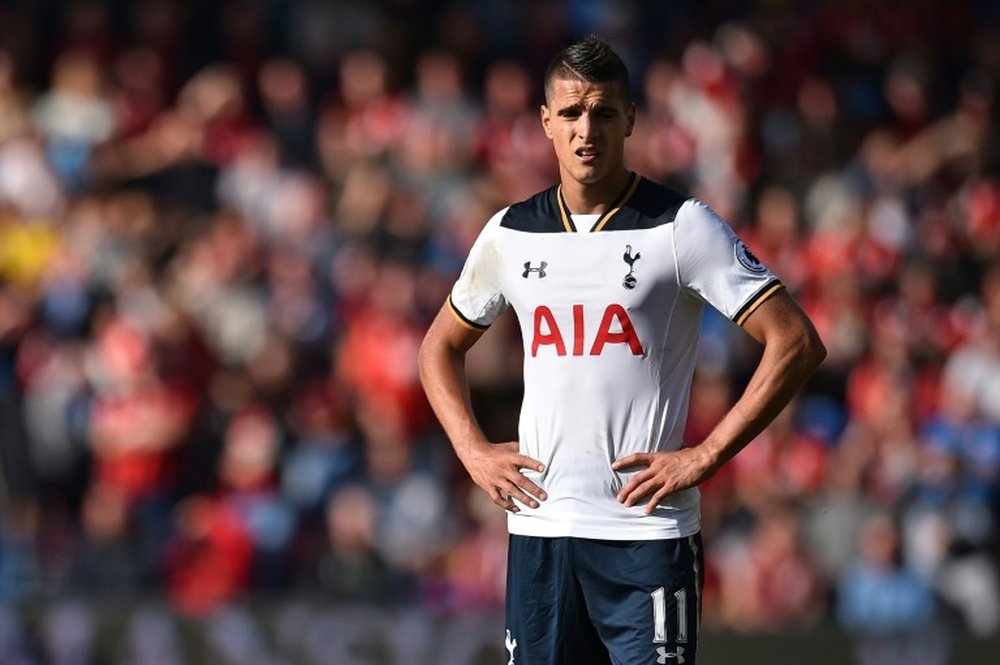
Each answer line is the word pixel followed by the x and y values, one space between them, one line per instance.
pixel 224 227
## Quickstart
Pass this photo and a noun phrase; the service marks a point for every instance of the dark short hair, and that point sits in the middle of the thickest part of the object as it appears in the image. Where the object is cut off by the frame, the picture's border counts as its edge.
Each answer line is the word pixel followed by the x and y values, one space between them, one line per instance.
pixel 591 60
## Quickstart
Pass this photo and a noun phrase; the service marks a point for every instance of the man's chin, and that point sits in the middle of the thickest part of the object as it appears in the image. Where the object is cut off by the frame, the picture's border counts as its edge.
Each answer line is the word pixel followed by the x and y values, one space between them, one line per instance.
pixel 587 176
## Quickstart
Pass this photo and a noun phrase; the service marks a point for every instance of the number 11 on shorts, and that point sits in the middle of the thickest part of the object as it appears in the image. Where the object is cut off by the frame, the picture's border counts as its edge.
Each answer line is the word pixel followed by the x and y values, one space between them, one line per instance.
pixel 660 615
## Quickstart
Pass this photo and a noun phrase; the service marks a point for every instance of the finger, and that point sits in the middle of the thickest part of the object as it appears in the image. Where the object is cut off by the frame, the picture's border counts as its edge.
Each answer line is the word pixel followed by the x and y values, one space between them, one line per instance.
pixel 524 490
pixel 502 499
pixel 525 462
pixel 639 492
pixel 522 496
pixel 632 484
pixel 635 459
pixel 533 489
pixel 522 461
pixel 654 501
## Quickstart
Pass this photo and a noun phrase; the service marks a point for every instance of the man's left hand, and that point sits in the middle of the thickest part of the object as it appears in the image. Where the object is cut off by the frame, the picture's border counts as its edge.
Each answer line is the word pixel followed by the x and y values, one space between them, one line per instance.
pixel 665 473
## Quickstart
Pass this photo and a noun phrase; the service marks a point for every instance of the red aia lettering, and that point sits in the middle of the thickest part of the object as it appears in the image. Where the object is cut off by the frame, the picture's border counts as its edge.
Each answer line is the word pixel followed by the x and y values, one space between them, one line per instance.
pixel 577 330
pixel 626 336
pixel 551 335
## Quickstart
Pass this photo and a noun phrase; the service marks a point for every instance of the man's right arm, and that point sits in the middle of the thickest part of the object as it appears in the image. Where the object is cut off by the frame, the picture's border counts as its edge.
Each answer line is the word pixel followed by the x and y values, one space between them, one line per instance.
pixel 496 468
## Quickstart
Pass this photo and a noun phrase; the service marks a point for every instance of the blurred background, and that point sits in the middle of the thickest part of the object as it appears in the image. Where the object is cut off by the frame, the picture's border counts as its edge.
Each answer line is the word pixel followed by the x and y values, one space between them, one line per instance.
pixel 225 226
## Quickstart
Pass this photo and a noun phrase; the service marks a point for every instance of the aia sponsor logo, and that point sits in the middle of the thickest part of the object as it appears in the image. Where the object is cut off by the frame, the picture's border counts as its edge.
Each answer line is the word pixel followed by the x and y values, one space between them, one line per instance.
pixel 615 328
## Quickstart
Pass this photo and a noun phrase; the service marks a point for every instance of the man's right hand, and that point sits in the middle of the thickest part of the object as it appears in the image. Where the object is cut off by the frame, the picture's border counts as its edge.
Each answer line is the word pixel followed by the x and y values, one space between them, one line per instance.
pixel 496 468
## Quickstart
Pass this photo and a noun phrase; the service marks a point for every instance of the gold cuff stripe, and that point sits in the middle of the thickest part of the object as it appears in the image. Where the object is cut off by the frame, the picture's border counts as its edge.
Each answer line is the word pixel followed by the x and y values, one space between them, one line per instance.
pixel 466 323
pixel 749 308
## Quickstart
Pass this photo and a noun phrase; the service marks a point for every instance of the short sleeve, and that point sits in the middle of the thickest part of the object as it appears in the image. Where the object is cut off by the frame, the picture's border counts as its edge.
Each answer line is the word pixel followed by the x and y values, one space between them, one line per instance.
pixel 477 299
pixel 714 265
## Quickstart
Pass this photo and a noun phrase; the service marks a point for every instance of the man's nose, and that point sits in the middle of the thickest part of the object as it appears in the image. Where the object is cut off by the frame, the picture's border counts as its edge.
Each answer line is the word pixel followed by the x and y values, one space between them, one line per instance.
pixel 586 127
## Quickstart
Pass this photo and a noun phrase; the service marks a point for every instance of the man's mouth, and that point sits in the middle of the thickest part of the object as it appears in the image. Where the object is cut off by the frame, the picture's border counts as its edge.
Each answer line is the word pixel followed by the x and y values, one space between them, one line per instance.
pixel 588 154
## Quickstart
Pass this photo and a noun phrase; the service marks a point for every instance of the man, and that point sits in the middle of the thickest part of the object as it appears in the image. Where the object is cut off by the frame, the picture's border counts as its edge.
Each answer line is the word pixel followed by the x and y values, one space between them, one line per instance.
pixel 607 273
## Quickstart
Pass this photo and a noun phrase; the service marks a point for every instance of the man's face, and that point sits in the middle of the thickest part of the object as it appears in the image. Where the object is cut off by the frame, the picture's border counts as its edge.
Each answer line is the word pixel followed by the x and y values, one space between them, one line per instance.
pixel 588 124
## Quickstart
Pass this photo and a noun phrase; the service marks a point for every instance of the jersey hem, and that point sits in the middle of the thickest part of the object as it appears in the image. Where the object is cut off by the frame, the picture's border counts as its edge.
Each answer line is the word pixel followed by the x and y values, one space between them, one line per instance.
pixel 521 526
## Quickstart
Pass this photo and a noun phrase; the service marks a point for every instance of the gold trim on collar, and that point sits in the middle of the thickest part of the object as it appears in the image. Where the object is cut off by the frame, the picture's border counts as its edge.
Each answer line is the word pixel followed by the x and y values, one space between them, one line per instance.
pixel 629 191
pixel 567 216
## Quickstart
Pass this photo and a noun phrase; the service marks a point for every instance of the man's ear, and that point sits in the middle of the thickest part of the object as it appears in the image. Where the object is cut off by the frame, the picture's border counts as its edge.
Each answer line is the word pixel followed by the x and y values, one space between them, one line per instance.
pixel 630 116
pixel 546 118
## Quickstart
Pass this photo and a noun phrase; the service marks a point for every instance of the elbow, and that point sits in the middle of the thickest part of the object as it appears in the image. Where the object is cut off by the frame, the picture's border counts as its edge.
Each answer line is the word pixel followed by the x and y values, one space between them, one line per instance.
pixel 812 351
pixel 802 349
pixel 424 356
pixel 434 355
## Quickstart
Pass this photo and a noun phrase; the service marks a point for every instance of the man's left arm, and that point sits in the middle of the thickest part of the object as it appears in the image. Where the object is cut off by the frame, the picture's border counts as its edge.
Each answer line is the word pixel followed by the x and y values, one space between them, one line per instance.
pixel 792 352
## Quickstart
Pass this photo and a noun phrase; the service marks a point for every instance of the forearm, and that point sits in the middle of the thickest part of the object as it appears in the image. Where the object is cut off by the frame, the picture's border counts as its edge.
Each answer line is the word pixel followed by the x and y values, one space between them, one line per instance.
pixel 496 468
pixel 442 373
pixel 771 388
pixel 789 359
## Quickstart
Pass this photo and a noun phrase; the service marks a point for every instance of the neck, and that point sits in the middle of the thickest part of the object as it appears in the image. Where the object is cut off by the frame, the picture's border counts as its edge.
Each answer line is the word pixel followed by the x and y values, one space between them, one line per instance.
pixel 594 198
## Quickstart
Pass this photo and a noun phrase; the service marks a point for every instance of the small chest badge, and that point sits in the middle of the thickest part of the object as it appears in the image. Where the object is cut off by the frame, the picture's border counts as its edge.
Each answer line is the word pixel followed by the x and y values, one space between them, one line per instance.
pixel 629 281
pixel 540 270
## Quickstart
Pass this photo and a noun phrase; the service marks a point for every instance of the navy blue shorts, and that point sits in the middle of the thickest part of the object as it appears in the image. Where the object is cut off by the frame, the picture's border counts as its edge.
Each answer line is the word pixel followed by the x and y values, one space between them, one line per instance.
pixel 602 602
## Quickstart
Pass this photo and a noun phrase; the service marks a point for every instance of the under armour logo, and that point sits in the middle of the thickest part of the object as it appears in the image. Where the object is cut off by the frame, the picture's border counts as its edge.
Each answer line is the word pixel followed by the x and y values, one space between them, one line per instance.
pixel 662 655
pixel 629 281
pixel 511 644
pixel 528 269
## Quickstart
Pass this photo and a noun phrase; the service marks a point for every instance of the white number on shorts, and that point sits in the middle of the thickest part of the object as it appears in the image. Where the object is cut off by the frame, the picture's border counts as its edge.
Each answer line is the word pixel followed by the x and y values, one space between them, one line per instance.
pixel 660 616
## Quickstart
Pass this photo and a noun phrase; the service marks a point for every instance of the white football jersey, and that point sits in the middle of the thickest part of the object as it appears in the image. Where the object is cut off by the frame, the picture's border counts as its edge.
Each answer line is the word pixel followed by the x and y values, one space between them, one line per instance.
pixel 610 323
